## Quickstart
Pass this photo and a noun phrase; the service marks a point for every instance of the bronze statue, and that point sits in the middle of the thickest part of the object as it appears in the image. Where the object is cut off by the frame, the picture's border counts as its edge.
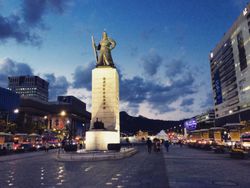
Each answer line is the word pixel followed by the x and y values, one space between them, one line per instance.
pixel 105 46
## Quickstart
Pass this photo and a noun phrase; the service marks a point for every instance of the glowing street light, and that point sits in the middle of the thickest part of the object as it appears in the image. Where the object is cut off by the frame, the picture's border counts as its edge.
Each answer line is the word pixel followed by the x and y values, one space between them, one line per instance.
pixel 63 113
pixel 16 111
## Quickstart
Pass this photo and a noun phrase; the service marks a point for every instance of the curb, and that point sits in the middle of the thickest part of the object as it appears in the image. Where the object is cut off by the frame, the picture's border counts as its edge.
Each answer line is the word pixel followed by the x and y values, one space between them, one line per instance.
pixel 64 157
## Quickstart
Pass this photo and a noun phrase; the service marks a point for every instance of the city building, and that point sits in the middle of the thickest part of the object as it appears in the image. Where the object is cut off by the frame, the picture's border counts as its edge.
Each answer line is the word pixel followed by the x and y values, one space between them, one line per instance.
pixel 31 86
pixel 205 120
pixel 67 115
pixel 230 73
pixel 9 107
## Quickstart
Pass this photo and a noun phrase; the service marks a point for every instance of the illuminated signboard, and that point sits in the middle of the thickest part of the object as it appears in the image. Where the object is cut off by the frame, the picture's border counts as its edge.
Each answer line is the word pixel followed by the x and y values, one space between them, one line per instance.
pixel 190 125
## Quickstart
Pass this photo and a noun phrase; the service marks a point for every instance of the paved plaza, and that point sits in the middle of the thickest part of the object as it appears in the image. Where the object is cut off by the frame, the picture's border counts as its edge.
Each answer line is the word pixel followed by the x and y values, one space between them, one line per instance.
pixel 181 167
pixel 192 168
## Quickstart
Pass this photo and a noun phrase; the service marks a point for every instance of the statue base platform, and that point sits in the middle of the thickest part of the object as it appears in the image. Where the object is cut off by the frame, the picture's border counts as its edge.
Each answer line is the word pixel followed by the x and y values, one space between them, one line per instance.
pixel 99 139
pixel 83 155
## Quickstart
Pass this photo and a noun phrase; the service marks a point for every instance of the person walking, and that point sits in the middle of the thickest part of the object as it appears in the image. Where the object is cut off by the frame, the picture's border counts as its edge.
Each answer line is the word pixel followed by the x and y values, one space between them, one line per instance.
pixel 149 145
pixel 166 144
pixel 158 145
pixel 46 146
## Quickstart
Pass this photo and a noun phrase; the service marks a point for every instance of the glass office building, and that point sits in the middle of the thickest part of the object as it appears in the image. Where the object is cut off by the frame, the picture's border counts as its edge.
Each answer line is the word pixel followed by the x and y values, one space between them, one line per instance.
pixel 230 72
pixel 30 86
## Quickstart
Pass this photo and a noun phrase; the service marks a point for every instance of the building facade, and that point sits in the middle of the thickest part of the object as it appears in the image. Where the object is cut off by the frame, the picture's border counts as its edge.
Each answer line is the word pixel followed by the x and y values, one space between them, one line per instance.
pixel 67 116
pixel 230 72
pixel 30 86
pixel 205 120
pixel 9 105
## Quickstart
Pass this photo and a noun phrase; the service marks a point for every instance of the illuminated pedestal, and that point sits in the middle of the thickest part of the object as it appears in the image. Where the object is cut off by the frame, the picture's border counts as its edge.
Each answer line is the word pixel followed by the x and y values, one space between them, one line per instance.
pixel 105 108
pixel 99 140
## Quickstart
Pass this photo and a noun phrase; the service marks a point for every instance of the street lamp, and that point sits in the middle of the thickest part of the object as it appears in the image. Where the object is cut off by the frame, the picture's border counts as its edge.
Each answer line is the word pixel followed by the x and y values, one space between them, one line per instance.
pixel 68 128
pixel 63 113
pixel 15 111
pixel 83 126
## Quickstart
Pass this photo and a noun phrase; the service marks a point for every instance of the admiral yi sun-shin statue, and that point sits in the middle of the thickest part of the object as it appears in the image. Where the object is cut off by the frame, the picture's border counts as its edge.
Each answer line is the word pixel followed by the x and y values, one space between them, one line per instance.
pixel 104 47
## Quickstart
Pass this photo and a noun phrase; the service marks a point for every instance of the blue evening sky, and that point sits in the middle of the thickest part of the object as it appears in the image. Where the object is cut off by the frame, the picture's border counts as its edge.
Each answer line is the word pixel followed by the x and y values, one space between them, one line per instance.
pixel 162 48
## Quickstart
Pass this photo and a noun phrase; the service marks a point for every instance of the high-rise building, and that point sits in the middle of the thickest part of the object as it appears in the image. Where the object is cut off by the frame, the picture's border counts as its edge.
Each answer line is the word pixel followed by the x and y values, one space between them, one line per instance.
pixel 30 86
pixel 230 72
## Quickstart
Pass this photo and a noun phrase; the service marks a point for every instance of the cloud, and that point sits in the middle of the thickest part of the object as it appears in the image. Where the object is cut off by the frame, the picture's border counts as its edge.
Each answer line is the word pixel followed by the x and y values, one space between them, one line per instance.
pixel 34 10
pixel 82 76
pixel 151 63
pixel 133 91
pixel 174 68
pixel 137 90
pixel 12 28
pixel 57 85
pixel 208 102
pixel 169 94
pixel 9 67
pixel 185 105
pixel 187 102
pixel 21 27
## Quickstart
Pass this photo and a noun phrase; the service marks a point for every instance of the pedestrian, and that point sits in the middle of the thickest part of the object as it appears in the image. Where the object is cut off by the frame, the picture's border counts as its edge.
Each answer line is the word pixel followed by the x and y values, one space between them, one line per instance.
pixel 180 143
pixel 149 144
pixel 166 144
pixel 46 146
pixel 158 145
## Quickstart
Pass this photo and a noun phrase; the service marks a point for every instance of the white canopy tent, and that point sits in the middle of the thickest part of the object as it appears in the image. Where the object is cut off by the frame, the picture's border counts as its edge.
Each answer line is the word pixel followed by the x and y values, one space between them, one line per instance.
pixel 162 135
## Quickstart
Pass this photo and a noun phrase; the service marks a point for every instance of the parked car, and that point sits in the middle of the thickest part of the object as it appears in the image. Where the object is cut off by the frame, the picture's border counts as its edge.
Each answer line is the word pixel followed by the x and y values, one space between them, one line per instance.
pixel 25 147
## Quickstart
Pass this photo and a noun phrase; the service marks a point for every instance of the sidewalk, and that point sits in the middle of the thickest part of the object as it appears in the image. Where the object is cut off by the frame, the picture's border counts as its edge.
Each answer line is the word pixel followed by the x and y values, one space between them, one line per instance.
pixel 25 155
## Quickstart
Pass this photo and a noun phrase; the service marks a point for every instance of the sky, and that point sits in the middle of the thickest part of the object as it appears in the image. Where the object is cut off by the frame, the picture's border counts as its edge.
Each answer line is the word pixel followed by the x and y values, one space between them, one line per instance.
pixel 161 54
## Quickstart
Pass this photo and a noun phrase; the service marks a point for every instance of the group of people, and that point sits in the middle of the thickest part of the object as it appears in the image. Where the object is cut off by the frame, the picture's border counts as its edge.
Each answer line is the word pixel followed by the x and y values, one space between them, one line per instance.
pixel 156 144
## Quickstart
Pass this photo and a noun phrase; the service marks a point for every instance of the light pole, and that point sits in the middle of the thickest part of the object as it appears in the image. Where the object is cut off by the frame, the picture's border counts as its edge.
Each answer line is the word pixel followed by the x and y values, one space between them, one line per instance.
pixel 15 111
pixel 68 129
pixel 83 127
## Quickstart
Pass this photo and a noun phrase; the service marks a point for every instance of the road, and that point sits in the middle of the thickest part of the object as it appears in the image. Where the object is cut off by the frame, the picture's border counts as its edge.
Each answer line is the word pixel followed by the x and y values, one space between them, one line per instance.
pixel 181 167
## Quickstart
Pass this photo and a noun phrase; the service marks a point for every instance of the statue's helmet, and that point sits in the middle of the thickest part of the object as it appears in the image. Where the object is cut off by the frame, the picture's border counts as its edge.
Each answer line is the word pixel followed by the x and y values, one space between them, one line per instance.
pixel 104 35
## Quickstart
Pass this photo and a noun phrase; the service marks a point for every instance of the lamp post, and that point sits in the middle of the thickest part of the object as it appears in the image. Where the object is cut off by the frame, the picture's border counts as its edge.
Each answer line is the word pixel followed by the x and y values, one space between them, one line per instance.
pixel 68 129
pixel 15 111
pixel 83 127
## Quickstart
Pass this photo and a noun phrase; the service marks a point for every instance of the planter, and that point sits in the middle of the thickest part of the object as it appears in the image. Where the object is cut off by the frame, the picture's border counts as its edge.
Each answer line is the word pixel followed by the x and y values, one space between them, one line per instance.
pixel 114 147
pixel 70 148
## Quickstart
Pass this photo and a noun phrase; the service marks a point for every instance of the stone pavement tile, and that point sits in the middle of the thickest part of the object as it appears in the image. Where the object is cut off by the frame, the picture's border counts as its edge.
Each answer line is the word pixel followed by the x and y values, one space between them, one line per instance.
pixel 25 155
pixel 188 167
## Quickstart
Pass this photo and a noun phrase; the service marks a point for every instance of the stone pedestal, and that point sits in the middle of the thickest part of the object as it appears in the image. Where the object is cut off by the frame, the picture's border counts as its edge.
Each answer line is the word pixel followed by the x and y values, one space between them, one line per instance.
pixel 105 108
pixel 99 140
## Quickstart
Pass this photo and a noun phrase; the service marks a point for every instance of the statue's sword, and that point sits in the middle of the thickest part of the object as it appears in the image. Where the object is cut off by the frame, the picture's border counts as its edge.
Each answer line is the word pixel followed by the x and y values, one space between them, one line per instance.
pixel 94 48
